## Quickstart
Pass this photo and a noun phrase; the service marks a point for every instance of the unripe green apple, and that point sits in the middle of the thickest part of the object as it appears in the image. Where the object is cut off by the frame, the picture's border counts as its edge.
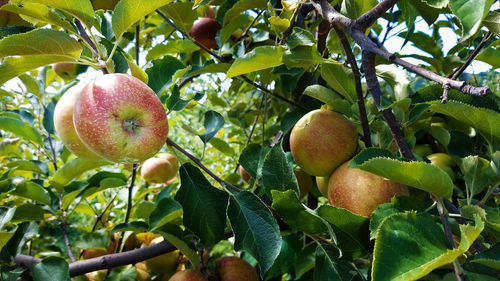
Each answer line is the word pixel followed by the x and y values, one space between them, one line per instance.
pixel 359 191
pixel 157 170
pixel 322 183
pixel 188 275
pixel 444 162
pixel 121 119
pixel 166 263
pixel 244 174
pixel 65 70
pixel 304 181
pixel 63 123
pixel 204 31
pixel 235 269
pixel 104 4
pixel 321 141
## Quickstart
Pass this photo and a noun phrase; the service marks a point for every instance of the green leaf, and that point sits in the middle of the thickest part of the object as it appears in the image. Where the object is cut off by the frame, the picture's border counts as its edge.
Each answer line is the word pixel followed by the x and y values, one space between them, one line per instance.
pixel 329 266
pixel 484 120
pixel 355 8
pixel 252 159
pixel 470 13
pixel 166 210
pixel 5 236
pixel 255 229
pixel 239 22
pixel 39 12
pixel 240 6
pixel 426 43
pixel 277 173
pixel 173 234
pixel 302 56
pixel 321 93
pixel 74 169
pixel 262 57
pixel 409 246
pixel 128 12
pixel 80 9
pixel 438 3
pixel 490 56
pixel 31 190
pixel 489 257
pixel 222 146
pixel 300 37
pixel 136 71
pixel 182 14
pixel 160 74
pixel 213 122
pixel 204 206
pixel 278 24
pixel 430 14
pixel 173 47
pixel 492 21
pixel 14 66
pixel 93 240
pixel 6 215
pixel 28 212
pixel 474 168
pixel 340 79
pixel 351 230
pixel 397 78
pixel 440 134
pixel 21 129
pixel 174 102
pixel 29 165
pixel 417 174
pixel 51 268
pixel 291 245
pixel 295 214
pixel 136 226
pixel 48 117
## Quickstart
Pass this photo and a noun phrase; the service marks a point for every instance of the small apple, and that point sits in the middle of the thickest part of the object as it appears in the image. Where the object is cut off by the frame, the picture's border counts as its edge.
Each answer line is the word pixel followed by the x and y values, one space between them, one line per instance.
pixel 65 70
pixel 204 31
pixel 304 181
pixel 94 253
pixel 63 123
pixel 120 118
pixel 142 272
pixel 157 170
pixel 188 275
pixel 359 191
pixel 232 268
pixel 444 162
pixel 322 183
pixel 166 263
pixel 172 159
pixel 321 141
pixel 244 174
pixel 104 4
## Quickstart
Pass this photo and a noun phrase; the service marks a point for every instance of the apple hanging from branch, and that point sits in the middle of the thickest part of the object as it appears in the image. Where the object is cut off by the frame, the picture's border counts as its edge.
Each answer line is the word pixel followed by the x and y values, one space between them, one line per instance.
pixel 120 118
pixel 204 31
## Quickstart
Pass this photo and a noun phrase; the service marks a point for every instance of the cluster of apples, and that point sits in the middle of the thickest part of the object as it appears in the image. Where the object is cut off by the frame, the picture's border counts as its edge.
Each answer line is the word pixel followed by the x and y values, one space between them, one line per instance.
pixel 322 142
pixel 116 117
pixel 229 268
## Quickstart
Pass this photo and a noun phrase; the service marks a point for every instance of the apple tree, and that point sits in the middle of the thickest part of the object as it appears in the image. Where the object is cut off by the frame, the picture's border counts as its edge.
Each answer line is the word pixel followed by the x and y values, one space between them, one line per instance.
pixel 413 191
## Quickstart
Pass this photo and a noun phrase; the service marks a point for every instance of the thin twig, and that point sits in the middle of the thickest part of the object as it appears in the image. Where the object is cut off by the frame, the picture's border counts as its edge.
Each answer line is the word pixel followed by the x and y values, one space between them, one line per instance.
pixel 461 69
pixel 444 97
pixel 245 33
pixel 359 90
pixel 137 45
pixel 203 167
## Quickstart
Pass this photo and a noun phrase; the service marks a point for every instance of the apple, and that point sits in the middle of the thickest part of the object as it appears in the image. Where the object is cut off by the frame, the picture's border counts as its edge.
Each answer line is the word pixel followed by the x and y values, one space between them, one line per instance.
pixel 142 272
pixel 204 31
pixel 165 263
pixel 172 159
pixel 157 170
pixel 359 191
pixel 422 149
pixel 244 174
pixel 65 70
pixel 94 253
pixel 444 162
pixel 120 118
pixel 321 141
pixel 322 183
pixel 304 181
pixel 188 275
pixel 104 4
pixel 63 123
pixel 232 268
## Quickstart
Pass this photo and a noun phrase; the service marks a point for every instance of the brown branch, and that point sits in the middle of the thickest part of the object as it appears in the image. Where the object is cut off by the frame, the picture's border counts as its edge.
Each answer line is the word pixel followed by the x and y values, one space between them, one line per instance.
pixel 461 69
pixel 203 167
pixel 370 17
pixel 359 90
pixel 347 25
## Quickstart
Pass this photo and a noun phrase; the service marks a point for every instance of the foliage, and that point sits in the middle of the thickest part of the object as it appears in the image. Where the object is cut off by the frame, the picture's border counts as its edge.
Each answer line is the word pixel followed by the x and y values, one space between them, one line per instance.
pixel 236 105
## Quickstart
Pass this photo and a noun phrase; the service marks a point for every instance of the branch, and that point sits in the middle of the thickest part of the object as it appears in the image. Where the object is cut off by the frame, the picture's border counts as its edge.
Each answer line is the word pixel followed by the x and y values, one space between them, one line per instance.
pixel 85 36
pixel 348 26
pixel 370 17
pixel 357 83
pixel 461 69
pixel 203 167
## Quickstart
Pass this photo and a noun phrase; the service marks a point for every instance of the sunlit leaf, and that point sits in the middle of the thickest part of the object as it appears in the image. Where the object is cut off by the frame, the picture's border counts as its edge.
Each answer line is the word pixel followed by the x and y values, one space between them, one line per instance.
pixel 259 58
pixel 21 129
pixel 80 9
pixel 470 13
